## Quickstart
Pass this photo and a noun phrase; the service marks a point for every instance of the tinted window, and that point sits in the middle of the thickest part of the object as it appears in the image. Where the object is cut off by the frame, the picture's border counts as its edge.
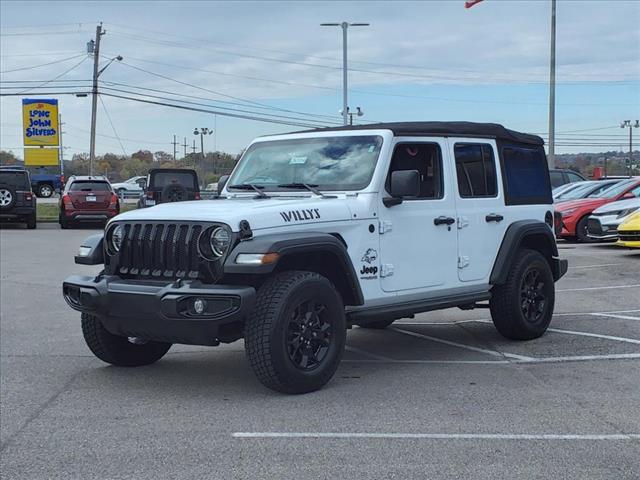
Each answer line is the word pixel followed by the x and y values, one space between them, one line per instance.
pixel 556 179
pixel 162 179
pixel 573 177
pixel 526 175
pixel 16 180
pixel 475 169
pixel 332 163
pixel 426 159
pixel 89 186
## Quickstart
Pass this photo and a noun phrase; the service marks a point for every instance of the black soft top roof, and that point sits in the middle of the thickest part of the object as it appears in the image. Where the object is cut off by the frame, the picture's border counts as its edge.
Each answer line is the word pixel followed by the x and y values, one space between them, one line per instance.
pixel 447 129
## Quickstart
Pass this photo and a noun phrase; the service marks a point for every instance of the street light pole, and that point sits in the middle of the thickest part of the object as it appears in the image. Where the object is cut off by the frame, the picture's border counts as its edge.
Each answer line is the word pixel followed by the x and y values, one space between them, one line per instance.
pixel 345 26
pixel 202 132
pixel 631 126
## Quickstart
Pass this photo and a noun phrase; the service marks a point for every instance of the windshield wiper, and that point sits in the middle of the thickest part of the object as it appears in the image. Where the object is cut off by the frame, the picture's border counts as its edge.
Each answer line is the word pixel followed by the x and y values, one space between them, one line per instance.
pixel 250 186
pixel 308 186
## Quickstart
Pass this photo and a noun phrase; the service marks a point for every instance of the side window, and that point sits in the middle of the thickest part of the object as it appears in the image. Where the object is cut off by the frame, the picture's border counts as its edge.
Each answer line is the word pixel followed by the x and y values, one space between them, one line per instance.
pixel 475 169
pixel 556 179
pixel 526 176
pixel 574 178
pixel 426 158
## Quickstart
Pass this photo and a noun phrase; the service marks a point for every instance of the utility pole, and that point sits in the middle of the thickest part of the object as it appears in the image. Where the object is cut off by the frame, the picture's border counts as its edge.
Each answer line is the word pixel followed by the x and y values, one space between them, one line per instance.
pixel 185 147
pixel 94 98
pixel 175 144
pixel 345 26
pixel 630 126
pixel 202 132
pixel 551 158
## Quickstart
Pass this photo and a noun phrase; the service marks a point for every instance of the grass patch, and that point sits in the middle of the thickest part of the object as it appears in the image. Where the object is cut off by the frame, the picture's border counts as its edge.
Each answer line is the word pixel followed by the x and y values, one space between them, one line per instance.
pixel 48 212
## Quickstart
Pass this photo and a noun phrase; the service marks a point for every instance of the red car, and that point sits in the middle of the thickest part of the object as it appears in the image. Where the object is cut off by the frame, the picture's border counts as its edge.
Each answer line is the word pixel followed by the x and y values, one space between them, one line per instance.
pixel 575 213
pixel 87 199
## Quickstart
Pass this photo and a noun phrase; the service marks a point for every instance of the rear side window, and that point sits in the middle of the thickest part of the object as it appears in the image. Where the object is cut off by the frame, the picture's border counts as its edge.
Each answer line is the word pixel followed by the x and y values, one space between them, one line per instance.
pixel 475 169
pixel 556 179
pixel 162 179
pixel 16 180
pixel 89 186
pixel 526 176
pixel 574 177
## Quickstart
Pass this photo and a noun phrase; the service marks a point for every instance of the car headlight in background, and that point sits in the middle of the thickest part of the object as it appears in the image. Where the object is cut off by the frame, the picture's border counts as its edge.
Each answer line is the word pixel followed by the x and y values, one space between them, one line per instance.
pixel 117 236
pixel 219 241
pixel 628 211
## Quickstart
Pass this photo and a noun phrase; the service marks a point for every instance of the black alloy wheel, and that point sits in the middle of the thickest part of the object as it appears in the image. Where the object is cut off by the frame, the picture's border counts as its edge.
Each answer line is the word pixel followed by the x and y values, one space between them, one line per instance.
pixel 308 335
pixel 532 296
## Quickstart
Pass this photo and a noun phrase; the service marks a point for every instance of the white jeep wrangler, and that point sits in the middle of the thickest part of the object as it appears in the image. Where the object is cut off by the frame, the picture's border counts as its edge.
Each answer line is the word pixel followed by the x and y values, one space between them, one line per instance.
pixel 317 231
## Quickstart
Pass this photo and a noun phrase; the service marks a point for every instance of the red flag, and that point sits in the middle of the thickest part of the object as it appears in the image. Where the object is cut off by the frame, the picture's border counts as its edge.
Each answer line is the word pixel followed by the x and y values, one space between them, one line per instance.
pixel 471 3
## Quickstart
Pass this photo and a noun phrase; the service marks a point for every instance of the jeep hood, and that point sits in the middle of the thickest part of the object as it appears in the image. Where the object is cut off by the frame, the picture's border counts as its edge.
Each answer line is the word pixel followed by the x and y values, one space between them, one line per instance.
pixel 260 213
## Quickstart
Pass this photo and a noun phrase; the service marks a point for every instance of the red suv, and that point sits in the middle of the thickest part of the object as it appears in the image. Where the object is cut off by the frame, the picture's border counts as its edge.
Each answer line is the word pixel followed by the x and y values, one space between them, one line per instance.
pixel 575 213
pixel 87 199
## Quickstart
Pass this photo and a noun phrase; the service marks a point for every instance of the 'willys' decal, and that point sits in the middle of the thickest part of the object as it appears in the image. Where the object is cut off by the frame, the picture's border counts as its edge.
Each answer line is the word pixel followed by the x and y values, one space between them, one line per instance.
pixel 300 215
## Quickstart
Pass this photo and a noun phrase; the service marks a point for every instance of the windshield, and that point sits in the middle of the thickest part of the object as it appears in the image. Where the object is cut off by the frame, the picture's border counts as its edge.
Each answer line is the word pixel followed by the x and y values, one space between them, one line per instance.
pixel 17 180
pixel 330 163
pixel 579 192
pixel 615 190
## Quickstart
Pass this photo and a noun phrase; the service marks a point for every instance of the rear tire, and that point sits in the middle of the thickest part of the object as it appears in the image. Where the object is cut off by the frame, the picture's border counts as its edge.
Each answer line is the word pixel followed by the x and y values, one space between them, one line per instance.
pixel 45 190
pixel 32 222
pixel 522 307
pixel 296 334
pixel 119 351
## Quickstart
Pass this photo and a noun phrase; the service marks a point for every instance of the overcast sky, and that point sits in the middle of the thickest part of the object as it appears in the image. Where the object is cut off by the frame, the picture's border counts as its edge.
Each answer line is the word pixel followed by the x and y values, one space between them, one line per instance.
pixel 431 60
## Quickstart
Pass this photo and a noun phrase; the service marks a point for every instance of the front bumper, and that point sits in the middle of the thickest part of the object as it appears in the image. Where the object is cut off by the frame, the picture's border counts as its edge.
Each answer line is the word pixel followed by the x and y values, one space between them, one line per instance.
pixel 161 311
pixel 598 230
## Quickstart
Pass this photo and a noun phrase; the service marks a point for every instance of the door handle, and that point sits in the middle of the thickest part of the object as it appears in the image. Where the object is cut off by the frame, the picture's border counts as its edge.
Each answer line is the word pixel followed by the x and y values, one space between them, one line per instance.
pixel 442 220
pixel 493 217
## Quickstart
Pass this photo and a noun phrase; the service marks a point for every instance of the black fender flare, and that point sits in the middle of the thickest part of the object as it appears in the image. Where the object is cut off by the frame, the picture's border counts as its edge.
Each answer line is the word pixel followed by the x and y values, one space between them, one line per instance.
pixel 533 234
pixel 296 243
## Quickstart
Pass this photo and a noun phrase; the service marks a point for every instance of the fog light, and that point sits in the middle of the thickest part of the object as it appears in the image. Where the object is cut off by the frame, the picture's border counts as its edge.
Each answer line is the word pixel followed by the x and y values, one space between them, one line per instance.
pixel 199 306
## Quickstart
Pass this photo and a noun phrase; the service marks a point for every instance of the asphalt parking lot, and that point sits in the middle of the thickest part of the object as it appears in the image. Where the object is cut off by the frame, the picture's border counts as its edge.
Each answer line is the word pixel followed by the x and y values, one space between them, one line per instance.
pixel 438 396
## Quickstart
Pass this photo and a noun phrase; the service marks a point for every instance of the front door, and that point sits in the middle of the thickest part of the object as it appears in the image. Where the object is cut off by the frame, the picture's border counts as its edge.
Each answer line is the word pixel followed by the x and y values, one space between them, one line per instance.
pixel 480 203
pixel 418 240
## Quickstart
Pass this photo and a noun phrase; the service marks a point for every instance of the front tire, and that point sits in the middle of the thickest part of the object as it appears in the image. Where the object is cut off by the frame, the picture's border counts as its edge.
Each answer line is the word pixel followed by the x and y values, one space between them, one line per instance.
pixel 119 351
pixel 582 230
pixel 522 307
pixel 296 334
pixel 45 190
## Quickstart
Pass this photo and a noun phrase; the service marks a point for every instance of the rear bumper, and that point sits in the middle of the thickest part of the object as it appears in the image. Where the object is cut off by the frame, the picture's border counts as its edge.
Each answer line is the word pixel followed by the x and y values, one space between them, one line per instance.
pixel 158 310
pixel 89 216
pixel 17 212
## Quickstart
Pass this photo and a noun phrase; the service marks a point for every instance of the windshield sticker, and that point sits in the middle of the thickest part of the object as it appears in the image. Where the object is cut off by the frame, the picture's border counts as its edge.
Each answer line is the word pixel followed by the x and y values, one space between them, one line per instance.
pixel 298 160
pixel 301 215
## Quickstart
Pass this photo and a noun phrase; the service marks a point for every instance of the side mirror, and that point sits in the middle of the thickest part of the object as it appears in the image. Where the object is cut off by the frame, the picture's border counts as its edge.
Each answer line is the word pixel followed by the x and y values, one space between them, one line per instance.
pixel 222 181
pixel 404 183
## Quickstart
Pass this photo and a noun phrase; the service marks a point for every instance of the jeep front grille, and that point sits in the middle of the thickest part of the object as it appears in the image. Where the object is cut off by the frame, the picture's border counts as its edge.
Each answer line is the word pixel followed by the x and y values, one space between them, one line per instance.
pixel 160 250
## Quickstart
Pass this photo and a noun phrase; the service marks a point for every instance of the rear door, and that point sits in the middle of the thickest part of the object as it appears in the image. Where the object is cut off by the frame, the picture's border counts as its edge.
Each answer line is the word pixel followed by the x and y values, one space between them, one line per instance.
pixel 90 194
pixel 481 213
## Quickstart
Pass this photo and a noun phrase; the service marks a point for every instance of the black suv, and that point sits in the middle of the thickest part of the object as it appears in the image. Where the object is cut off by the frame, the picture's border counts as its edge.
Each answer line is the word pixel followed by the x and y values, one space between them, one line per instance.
pixel 17 202
pixel 166 185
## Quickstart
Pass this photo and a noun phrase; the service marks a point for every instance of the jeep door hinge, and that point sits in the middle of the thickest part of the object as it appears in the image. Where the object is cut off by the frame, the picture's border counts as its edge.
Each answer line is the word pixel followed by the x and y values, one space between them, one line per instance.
pixel 386 270
pixel 462 222
pixel 384 226
pixel 463 261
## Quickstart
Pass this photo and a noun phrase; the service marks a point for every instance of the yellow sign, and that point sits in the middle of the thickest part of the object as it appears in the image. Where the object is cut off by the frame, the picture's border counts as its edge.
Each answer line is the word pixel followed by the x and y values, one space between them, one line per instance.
pixel 40 122
pixel 40 156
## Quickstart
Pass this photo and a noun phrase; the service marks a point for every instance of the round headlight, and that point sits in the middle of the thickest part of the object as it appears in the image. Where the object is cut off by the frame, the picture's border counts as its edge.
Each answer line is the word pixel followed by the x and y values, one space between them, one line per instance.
pixel 219 241
pixel 117 235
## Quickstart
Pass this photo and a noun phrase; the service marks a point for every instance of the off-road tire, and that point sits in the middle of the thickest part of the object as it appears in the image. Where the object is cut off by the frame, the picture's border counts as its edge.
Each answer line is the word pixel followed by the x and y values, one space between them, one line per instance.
pixel 266 331
pixel 32 222
pixel 45 190
pixel 378 324
pixel 116 350
pixel 174 193
pixel 581 230
pixel 506 303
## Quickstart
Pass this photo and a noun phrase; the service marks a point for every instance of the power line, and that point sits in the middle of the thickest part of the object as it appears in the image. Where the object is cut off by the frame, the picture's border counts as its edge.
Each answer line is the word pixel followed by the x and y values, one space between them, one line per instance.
pixel 55 78
pixel 42 64
pixel 112 126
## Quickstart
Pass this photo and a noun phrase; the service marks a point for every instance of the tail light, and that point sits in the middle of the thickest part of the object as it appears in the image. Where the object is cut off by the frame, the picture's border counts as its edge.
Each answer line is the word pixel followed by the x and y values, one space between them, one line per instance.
pixel 197 196
pixel 28 196
pixel 66 199
pixel 114 200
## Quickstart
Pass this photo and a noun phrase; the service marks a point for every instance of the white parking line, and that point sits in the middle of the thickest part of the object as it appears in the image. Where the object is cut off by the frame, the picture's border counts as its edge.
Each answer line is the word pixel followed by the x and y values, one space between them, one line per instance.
pixel 442 436
pixel 597 288
pixel 586 358
pixel 566 314
pixel 610 315
pixel 462 345
pixel 436 362
pixel 526 361
pixel 596 335
pixel 594 266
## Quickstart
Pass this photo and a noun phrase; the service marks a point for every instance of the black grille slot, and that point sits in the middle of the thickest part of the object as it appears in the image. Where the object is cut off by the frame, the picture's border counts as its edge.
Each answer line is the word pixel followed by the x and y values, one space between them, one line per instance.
pixel 152 250
pixel 630 235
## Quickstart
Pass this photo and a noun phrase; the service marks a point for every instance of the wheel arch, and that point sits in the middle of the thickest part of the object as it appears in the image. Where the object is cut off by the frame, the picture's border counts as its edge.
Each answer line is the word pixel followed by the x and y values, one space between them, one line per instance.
pixel 530 234
pixel 323 253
